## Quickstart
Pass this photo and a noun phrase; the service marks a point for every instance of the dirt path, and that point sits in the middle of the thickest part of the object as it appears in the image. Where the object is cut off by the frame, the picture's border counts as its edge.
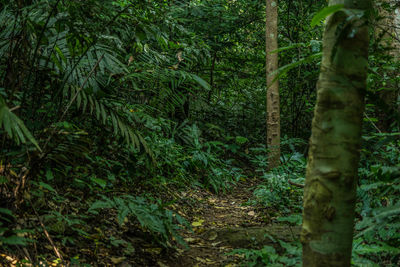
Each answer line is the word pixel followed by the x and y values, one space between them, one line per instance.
pixel 220 224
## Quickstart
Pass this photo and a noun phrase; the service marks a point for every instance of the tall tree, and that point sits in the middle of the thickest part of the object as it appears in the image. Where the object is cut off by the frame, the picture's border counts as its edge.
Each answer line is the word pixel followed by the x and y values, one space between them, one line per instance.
pixel 387 31
pixel 331 178
pixel 273 109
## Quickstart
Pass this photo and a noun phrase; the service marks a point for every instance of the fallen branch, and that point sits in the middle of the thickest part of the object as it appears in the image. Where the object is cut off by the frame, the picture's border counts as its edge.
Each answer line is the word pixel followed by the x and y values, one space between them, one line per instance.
pixel 56 251
pixel 296 184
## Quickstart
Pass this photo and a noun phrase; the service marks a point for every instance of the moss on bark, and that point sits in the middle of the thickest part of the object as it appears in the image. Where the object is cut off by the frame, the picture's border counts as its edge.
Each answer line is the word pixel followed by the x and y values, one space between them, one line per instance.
pixel 331 178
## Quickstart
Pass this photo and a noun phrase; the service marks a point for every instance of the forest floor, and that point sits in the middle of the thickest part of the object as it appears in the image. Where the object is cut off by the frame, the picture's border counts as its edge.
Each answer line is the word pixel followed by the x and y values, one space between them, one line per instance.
pixel 222 223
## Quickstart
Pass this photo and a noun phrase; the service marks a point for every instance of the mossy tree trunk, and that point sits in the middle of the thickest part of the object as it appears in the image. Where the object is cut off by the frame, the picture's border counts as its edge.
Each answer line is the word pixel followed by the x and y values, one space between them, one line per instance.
pixel 331 178
pixel 273 109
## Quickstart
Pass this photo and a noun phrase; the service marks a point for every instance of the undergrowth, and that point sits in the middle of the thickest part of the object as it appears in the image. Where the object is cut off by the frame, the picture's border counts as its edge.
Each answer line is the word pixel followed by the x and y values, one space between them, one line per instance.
pixel 377 229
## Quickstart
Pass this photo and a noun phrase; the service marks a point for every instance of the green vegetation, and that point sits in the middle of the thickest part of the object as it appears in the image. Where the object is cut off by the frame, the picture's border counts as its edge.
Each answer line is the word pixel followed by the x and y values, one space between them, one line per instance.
pixel 133 133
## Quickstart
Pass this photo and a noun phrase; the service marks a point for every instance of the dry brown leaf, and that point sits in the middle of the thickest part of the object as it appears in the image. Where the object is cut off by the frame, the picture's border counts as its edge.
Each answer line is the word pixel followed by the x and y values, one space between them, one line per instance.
pixel 153 250
pixel 212 200
pixel 251 213
pixel 179 56
pixel 130 60
pixel 117 260
pixel 161 264
pixel 216 243
pixel 191 240
pixel 198 223
pixel 213 236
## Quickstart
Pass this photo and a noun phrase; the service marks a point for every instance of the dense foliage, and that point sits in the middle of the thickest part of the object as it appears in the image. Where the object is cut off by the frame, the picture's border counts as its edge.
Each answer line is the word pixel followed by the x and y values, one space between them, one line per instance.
pixel 109 109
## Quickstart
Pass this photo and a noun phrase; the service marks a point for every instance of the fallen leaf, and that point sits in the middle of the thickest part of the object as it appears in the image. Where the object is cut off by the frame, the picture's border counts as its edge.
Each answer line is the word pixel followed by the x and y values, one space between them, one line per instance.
pixel 251 213
pixel 191 240
pixel 213 236
pixel 216 243
pixel 205 261
pixel 212 200
pixel 160 264
pixel 153 250
pixel 180 251
pixel 117 260
pixel 130 60
pixel 197 223
pixel 200 230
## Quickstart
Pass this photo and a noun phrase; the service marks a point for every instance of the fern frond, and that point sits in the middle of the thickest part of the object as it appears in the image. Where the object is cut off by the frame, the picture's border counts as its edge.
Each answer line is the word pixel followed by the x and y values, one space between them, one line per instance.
pixel 107 116
pixel 14 126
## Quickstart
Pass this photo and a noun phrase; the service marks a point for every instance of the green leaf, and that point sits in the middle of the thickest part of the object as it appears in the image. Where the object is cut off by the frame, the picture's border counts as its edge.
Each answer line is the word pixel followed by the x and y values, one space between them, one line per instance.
pixel 201 82
pixel 286 68
pixel 294 218
pixel 100 205
pixel 3 180
pixel 47 186
pixel 49 175
pixel 324 13
pixel 296 45
pixel 241 140
pixel 6 211
pixel 102 183
pixel 14 240
pixel 7 123
pixel 14 126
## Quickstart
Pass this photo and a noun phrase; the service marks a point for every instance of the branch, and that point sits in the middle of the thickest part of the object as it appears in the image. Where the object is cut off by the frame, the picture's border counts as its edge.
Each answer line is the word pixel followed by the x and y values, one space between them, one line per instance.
pixel 296 184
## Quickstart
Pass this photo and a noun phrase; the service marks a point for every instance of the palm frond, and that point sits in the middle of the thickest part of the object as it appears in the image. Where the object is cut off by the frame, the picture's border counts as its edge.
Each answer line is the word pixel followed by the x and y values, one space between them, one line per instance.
pixel 14 126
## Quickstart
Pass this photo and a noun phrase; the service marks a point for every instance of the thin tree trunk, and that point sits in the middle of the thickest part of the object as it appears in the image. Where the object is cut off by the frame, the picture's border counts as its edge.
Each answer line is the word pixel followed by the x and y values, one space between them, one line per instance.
pixel 397 46
pixel 273 111
pixel 331 178
pixel 214 59
pixel 386 30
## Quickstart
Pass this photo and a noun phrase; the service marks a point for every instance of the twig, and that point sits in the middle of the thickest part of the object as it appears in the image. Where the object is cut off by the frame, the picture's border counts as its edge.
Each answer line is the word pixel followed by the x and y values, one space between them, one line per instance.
pixel 56 251
pixel 296 184
pixel 71 101
pixel 82 86
pixel 21 184
pixel 368 118
pixel 15 108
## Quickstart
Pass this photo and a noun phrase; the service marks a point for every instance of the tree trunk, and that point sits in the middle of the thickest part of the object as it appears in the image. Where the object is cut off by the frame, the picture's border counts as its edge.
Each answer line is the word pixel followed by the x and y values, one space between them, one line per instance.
pixel 387 32
pixel 273 112
pixel 214 59
pixel 331 178
pixel 397 40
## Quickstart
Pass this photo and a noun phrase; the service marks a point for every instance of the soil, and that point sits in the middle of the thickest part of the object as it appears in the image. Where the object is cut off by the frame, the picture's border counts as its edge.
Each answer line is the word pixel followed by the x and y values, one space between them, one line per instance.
pixel 222 223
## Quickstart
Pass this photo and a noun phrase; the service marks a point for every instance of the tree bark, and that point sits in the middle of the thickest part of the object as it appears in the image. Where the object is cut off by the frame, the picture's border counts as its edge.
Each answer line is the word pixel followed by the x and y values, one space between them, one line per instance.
pixel 214 59
pixel 273 109
pixel 387 31
pixel 397 46
pixel 331 176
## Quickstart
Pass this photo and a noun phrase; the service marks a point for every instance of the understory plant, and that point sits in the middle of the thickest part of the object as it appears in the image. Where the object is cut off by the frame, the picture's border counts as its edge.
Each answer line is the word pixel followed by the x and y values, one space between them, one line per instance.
pixel 377 236
pixel 280 188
